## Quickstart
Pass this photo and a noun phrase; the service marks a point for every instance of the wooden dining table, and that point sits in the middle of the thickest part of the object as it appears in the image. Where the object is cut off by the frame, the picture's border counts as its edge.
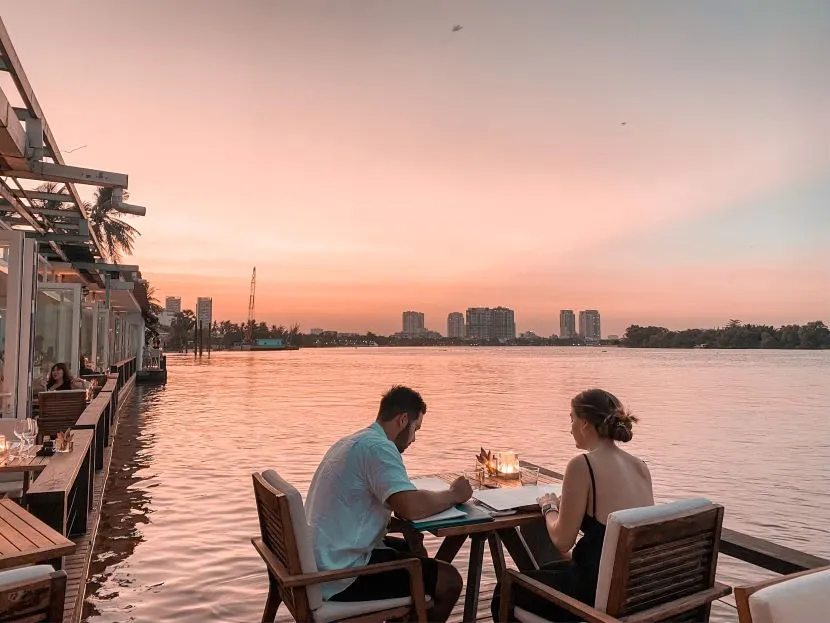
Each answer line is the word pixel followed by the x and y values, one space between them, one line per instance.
pixel 503 532
pixel 28 465
pixel 25 539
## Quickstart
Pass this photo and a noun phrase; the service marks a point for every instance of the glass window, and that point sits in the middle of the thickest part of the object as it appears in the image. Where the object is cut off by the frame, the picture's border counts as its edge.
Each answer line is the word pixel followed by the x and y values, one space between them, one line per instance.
pixel 87 331
pixel 102 342
pixel 7 362
pixel 54 329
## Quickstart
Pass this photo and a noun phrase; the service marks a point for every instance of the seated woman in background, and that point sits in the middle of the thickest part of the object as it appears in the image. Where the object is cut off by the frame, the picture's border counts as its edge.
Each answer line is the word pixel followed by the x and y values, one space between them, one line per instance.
pixel 59 378
pixel 603 480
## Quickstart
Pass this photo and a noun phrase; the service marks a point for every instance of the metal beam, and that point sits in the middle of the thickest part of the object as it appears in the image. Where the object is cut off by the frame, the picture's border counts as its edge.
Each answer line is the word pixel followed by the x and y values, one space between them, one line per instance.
pixel 53 213
pixel 54 227
pixel 123 268
pixel 23 113
pixel 65 174
pixel 64 238
pixel 6 194
pixel 33 194
pixel 12 64
pixel 120 285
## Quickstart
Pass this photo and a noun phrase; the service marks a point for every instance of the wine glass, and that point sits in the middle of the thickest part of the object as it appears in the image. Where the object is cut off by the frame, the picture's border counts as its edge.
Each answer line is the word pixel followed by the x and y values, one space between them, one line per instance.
pixel 19 429
pixel 29 434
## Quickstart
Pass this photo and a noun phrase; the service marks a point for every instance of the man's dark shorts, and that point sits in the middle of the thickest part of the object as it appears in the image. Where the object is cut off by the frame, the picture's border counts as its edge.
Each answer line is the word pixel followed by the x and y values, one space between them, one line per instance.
pixel 391 584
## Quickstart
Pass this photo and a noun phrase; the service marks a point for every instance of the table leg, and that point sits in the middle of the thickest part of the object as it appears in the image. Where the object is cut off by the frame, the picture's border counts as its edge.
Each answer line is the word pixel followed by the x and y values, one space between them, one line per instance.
pixel 449 548
pixel 518 549
pixel 474 577
pixel 497 553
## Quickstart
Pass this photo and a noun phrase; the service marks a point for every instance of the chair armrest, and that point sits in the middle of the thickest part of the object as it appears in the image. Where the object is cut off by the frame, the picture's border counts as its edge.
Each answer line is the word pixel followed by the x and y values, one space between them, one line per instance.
pixel 310 579
pixel 586 612
pixel 286 580
pixel 679 606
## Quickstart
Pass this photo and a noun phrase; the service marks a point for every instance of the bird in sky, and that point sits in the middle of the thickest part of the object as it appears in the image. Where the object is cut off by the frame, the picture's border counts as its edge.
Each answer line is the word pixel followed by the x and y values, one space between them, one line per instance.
pixel 457 27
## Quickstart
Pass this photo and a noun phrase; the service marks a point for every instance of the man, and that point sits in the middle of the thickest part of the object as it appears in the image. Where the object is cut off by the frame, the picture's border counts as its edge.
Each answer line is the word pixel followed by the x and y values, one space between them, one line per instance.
pixel 359 483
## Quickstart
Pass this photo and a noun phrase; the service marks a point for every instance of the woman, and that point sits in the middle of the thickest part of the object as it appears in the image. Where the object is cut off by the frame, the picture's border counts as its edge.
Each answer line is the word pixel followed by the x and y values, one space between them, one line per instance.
pixel 59 378
pixel 603 480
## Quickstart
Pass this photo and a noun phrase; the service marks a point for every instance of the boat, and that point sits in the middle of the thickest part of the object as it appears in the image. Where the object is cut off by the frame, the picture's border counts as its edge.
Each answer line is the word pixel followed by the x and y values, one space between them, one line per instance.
pixel 269 344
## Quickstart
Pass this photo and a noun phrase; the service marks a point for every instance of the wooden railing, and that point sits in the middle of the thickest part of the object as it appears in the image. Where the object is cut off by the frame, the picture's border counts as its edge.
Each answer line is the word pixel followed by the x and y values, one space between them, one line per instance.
pixel 61 496
pixel 125 369
pixel 755 551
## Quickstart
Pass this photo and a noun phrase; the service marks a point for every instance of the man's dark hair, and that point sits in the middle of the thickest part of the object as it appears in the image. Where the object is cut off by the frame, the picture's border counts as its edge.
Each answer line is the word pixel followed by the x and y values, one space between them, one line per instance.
pixel 399 400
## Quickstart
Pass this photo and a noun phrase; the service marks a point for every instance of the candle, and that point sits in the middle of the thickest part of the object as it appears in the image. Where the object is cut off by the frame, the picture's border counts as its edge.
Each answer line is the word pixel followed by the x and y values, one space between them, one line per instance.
pixel 508 463
pixel 2 443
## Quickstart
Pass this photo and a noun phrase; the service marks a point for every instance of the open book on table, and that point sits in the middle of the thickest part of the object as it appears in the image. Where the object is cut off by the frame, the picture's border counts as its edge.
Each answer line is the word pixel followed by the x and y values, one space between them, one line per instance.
pixel 459 514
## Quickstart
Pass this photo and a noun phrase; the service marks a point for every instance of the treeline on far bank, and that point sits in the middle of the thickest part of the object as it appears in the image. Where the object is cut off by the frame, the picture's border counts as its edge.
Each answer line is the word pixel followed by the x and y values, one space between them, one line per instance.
pixel 811 336
pixel 227 335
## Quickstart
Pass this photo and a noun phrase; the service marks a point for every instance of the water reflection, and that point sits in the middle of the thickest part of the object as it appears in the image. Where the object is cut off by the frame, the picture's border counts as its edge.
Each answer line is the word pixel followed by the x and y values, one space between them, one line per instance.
pixel 747 429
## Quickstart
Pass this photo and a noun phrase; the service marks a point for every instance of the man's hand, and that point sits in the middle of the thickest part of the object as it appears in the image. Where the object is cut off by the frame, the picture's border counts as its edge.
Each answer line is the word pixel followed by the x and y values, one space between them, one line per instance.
pixel 461 489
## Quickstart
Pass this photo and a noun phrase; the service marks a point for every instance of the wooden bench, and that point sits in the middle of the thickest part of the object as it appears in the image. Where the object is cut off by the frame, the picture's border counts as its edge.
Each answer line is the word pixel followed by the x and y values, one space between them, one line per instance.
pixel 96 418
pixel 61 496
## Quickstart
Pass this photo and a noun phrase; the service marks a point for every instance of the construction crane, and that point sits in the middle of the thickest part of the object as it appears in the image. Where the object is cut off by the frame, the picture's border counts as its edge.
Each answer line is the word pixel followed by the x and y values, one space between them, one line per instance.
pixel 249 328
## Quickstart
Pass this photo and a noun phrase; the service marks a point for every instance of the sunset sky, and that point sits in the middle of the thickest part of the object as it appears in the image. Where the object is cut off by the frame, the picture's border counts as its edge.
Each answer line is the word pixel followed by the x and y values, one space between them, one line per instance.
pixel 369 160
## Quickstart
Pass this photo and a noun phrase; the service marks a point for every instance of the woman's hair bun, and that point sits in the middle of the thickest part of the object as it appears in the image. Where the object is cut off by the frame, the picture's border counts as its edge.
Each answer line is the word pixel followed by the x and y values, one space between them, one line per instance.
pixel 606 413
pixel 620 428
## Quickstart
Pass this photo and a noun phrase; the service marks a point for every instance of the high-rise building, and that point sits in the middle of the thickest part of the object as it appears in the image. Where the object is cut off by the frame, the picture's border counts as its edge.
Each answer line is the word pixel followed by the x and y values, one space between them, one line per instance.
pixel 173 304
pixel 479 323
pixel 485 323
pixel 455 325
pixel 589 325
pixel 413 323
pixel 204 311
pixel 567 324
pixel 504 323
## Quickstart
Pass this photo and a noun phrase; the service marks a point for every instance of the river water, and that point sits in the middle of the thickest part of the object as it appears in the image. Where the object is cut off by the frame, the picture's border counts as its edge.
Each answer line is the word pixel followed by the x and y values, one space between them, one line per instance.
pixel 747 429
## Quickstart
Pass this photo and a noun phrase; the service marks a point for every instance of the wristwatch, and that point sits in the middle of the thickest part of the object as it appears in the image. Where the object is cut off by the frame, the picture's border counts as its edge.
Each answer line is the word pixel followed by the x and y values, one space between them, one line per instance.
pixel 549 507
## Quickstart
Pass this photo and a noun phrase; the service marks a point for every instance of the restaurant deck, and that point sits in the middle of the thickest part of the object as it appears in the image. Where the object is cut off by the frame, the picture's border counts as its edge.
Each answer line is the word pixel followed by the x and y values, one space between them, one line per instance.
pixel 76 565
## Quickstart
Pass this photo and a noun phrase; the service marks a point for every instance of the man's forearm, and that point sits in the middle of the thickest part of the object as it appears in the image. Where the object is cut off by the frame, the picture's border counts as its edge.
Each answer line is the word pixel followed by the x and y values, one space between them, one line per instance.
pixel 415 505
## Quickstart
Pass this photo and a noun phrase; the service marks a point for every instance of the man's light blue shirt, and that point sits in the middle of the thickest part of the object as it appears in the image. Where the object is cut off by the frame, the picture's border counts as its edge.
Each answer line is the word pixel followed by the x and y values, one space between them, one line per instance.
pixel 346 503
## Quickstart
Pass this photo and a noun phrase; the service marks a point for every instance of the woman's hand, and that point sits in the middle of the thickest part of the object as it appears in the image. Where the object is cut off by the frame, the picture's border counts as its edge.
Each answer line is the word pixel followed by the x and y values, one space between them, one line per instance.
pixel 549 498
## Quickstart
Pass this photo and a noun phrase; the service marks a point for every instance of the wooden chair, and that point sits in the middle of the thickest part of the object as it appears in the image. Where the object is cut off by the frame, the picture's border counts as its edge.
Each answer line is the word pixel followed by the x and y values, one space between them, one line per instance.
pixel 286 548
pixel 32 594
pixel 797 598
pixel 59 411
pixel 658 564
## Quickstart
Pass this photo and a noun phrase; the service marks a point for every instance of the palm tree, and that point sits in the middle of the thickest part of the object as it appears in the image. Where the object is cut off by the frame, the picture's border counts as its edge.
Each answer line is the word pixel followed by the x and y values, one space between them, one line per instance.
pixel 115 235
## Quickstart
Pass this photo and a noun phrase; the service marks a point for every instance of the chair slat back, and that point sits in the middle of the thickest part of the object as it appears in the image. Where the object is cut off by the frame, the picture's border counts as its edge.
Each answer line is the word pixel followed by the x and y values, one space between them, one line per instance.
pixel 659 560
pixel 33 601
pixel 59 410
pixel 277 532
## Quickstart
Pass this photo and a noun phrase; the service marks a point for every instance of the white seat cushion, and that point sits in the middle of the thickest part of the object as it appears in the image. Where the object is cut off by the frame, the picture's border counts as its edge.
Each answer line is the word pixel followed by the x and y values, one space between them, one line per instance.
pixel 656 513
pixel 25 574
pixel 301 533
pixel 336 610
pixel 523 616
pixel 805 599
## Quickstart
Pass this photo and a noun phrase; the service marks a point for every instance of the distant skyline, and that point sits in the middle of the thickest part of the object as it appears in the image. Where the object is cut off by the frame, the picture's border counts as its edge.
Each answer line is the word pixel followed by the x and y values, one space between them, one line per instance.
pixel 431 323
pixel 664 162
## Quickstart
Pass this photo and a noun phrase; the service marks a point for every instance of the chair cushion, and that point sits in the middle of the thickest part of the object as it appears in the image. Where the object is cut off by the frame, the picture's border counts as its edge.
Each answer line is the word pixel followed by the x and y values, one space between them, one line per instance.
pixel 337 610
pixel 805 599
pixel 25 574
pixel 655 513
pixel 301 533
pixel 523 616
